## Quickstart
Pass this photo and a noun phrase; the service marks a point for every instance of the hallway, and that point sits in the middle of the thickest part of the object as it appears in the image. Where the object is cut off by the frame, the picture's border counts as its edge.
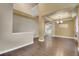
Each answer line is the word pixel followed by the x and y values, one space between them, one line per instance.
pixel 51 47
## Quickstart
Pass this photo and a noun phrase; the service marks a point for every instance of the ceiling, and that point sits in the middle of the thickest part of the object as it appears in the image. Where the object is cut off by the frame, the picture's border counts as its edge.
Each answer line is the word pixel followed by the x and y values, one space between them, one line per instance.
pixel 63 14
pixel 24 6
pixel 57 10
pixel 28 8
pixel 48 8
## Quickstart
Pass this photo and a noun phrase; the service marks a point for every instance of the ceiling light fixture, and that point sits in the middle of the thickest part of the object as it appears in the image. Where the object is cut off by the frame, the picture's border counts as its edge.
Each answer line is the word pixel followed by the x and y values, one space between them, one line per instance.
pixel 61 21
pixel 57 22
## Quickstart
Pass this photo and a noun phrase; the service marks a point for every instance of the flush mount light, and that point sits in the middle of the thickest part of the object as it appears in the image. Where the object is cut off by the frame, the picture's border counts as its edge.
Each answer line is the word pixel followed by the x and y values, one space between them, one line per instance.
pixel 57 22
pixel 61 21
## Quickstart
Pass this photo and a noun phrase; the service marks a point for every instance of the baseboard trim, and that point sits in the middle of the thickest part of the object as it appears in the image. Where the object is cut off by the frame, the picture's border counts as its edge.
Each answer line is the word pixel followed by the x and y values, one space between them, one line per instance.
pixel 64 37
pixel 61 37
pixel 12 49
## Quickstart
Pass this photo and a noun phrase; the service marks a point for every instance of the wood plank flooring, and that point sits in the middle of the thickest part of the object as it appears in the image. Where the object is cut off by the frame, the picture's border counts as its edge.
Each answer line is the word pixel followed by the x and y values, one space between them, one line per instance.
pixel 50 47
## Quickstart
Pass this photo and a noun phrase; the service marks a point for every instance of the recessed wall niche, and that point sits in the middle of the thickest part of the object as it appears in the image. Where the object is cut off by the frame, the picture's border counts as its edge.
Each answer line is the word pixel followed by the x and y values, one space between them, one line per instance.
pixel 24 24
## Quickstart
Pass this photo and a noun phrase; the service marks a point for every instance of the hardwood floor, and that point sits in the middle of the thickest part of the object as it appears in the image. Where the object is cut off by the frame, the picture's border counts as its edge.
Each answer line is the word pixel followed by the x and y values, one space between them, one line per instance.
pixel 51 47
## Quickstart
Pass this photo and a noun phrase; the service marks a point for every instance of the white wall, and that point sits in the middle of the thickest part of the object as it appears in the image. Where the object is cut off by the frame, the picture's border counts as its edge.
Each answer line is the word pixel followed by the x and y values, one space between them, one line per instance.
pixel 5 19
pixel 9 40
pixel 22 24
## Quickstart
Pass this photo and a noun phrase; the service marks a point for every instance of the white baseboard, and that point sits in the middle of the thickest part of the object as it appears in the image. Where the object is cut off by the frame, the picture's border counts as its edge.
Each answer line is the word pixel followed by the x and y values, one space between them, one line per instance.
pixel 64 37
pixel 60 36
pixel 8 50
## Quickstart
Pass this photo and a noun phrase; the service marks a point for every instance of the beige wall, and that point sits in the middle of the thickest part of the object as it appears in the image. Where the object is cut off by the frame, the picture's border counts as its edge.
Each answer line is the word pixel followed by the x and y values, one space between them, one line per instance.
pixel 78 26
pixel 78 19
pixel 65 29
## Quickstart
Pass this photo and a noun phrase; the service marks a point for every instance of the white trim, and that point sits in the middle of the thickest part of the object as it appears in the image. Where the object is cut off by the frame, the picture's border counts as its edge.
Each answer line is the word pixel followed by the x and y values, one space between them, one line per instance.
pixel 59 36
pixel 64 37
pixel 22 32
pixel 15 48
